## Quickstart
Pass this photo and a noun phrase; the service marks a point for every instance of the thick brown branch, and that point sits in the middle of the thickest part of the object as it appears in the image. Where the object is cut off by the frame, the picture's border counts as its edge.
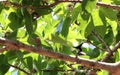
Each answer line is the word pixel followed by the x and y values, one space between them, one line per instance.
pixel 4 49
pixel 63 57
pixel 56 70
pixel 116 7
pixel 27 6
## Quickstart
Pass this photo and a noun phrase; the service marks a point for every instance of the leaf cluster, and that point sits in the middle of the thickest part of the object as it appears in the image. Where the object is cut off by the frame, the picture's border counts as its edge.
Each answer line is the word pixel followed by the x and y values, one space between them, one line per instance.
pixel 58 28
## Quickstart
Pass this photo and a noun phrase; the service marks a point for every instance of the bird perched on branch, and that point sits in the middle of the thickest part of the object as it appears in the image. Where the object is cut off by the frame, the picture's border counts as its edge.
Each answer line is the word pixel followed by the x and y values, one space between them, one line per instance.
pixel 79 50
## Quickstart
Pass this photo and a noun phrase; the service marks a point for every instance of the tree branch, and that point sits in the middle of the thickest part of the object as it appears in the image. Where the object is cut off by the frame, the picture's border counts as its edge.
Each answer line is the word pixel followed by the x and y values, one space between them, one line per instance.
pixel 102 41
pixel 56 70
pixel 20 69
pixel 88 41
pixel 49 53
pixel 116 7
pixel 109 54
pixel 28 6
pixel 4 49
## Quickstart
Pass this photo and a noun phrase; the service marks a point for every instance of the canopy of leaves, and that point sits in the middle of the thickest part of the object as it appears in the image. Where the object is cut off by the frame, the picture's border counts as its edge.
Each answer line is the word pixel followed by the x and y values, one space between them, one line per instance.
pixel 58 28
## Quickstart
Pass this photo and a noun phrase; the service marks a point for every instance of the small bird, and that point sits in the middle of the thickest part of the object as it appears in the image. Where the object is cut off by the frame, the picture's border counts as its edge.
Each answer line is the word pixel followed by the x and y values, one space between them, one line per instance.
pixel 79 49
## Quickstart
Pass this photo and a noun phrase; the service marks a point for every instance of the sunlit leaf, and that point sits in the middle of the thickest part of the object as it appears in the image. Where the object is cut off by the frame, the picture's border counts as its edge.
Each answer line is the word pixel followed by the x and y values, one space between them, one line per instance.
pixel 89 28
pixel 58 39
pixel 99 23
pixel 88 5
pixel 112 18
pixel 76 12
pixel 87 25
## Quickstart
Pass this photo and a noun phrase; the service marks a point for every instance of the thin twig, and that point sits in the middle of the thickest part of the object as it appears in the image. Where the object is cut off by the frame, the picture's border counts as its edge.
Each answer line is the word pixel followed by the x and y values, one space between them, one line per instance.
pixel 109 54
pixel 19 69
pixel 102 41
pixel 88 41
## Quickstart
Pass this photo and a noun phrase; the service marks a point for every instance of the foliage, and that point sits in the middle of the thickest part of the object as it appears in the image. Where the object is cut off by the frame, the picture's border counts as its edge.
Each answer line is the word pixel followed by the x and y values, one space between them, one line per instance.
pixel 58 28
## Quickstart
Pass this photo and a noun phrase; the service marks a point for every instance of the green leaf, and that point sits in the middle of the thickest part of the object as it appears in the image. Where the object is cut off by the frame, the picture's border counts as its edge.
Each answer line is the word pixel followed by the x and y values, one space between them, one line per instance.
pixel 58 39
pixel 32 39
pixel 66 50
pixel 116 2
pixel 11 55
pixel 65 26
pixel 118 35
pixel 109 36
pixel 114 26
pixel 53 65
pixel 103 72
pixel 117 56
pixel 3 58
pixel 30 62
pixel 109 13
pixel 4 67
pixel 27 2
pixel 36 2
pixel 40 64
pixel 94 53
pixel 28 22
pixel 99 22
pixel 15 21
pixel 75 12
pixel 1 7
pixel 20 57
pixel 12 35
pixel 111 16
pixel 21 33
pixel 43 11
pixel 89 28
pixel 88 5
pixel 94 40
pixel 85 15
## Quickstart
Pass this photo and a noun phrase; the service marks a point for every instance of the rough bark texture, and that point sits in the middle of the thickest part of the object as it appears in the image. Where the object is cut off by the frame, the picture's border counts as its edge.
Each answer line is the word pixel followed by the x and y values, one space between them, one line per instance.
pixel 113 68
